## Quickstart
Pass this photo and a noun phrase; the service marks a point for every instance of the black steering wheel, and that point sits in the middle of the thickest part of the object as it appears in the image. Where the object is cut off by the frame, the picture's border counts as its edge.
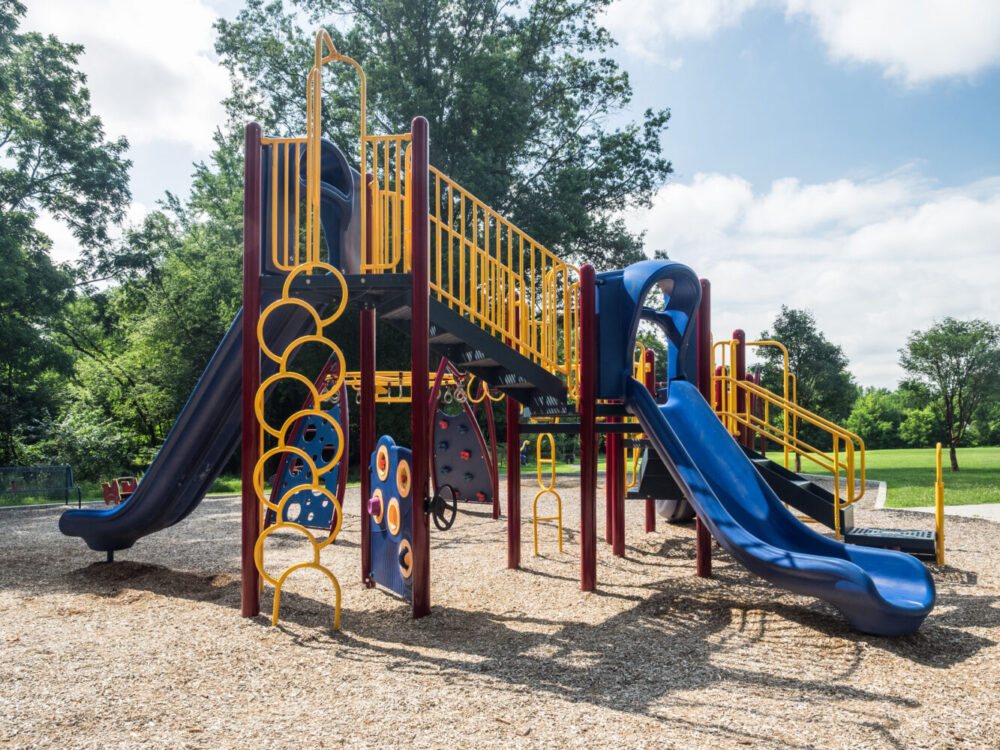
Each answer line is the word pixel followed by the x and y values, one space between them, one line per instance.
pixel 443 507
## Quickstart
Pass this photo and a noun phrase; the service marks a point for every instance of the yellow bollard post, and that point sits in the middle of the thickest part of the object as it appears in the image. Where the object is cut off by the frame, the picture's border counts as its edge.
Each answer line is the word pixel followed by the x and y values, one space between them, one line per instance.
pixel 939 508
pixel 546 489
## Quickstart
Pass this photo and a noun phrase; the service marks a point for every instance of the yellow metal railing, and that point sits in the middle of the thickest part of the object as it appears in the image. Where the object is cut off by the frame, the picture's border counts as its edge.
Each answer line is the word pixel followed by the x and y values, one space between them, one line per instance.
pixel 286 205
pixel 632 455
pixel 482 266
pixel 852 464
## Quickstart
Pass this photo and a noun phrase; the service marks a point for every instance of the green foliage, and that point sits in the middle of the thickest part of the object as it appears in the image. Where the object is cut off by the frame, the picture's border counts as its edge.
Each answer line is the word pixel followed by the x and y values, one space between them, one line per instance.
pixel 825 386
pixel 876 417
pixel 53 154
pixel 34 292
pixel 519 98
pixel 919 428
pixel 53 157
pixel 959 363
pixel 657 344
pixel 94 445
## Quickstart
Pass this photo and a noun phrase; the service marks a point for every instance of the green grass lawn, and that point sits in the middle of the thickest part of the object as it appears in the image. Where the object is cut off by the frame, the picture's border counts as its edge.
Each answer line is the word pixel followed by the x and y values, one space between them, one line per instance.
pixel 909 474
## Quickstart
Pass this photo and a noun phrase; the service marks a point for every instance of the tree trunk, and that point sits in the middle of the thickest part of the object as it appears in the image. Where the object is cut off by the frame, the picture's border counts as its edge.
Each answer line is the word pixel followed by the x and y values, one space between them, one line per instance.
pixel 954 456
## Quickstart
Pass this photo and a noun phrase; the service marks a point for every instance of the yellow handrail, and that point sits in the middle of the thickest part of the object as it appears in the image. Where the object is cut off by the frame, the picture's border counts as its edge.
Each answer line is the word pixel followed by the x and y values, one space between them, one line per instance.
pixel 482 266
pixel 853 445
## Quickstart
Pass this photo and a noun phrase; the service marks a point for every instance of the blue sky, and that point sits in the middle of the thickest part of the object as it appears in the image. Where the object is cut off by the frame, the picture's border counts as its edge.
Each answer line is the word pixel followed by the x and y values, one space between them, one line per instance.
pixel 839 156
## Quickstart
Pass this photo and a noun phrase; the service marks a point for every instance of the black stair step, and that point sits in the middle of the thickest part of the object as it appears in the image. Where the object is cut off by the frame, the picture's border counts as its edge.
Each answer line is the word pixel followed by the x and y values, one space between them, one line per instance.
pixel 805 496
pixel 400 313
pixel 443 338
pixel 922 542
pixel 478 360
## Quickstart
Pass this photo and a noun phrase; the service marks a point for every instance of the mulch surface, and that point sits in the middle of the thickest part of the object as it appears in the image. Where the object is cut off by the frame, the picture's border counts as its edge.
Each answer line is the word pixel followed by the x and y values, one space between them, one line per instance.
pixel 151 651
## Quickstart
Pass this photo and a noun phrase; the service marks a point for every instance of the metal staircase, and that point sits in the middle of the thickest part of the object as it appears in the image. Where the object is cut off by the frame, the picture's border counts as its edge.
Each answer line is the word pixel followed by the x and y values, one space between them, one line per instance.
pixel 818 504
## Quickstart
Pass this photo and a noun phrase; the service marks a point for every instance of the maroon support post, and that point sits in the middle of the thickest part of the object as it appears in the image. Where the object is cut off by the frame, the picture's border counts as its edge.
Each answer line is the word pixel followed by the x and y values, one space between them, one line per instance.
pixel 514 468
pixel 617 479
pixel 366 419
pixel 419 355
pixel 588 428
pixel 609 485
pixel 739 375
pixel 703 555
pixel 650 383
pixel 494 455
pixel 513 484
pixel 250 432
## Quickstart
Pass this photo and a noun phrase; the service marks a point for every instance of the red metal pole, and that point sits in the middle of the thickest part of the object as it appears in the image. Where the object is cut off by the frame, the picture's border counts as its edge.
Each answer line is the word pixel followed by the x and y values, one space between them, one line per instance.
pixel 650 383
pixel 366 419
pixel 419 356
pixel 250 431
pixel 618 494
pixel 703 553
pixel 494 454
pixel 514 468
pixel 739 375
pixel 588 431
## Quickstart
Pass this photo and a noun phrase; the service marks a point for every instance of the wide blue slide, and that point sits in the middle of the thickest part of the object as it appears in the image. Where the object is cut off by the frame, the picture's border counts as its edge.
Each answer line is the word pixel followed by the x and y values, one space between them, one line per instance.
pixel 879 591
pixel 197 448
pixel 207 430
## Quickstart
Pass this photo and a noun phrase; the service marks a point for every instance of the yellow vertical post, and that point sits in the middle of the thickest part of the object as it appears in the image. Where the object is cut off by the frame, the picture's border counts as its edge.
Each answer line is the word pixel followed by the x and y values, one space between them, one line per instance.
pixel 939 508
pixel 546 489
pixel 836 486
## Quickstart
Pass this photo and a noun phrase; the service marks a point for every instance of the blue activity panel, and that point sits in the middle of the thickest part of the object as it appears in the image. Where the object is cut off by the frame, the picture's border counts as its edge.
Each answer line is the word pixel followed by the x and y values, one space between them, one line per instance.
pixel 390 517
pixel 316 437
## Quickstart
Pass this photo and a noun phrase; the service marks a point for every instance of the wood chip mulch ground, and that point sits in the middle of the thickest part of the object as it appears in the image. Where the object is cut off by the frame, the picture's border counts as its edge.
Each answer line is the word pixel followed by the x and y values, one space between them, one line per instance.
pixel 151 651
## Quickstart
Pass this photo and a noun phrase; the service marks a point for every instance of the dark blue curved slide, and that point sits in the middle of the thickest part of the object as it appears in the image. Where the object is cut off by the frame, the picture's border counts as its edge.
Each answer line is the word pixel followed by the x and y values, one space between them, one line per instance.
pixel 878 591
pixel 202 439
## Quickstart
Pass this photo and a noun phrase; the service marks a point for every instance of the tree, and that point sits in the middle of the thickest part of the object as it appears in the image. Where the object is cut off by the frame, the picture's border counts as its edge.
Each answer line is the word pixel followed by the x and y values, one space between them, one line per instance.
pixel 33 293
pixel 53 157
pixel 919 427
pixel 825 386
pixel 876 417
pixel 519 96
pixel 53 154
pixel 959 362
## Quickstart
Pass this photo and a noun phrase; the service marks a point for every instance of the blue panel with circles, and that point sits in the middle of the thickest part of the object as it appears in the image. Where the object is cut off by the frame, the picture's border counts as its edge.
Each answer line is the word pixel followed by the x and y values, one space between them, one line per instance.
pixel 316 437
pixel 391 517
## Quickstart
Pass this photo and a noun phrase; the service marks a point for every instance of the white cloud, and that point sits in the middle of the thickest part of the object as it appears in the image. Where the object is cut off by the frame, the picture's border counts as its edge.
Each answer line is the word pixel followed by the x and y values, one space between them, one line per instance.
pixel 151 67
pixel 641 25
pixel 873 260
pixel 915 41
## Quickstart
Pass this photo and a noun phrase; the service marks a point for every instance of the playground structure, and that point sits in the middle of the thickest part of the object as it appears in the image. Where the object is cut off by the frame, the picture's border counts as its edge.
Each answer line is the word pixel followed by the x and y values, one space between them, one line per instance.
pixel 401 242
pixel 118 490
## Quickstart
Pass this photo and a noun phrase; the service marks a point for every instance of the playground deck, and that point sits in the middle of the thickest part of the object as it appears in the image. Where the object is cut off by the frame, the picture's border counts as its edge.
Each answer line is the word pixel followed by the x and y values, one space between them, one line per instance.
pixel 148 652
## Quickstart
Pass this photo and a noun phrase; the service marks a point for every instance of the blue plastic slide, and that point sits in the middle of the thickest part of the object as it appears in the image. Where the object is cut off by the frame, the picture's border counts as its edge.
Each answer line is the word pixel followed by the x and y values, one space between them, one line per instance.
pixel 878 591
pixel 202 439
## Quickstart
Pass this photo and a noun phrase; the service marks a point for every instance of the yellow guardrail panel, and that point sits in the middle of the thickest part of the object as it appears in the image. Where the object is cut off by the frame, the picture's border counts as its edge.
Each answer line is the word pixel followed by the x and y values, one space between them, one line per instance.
pixel 853 464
